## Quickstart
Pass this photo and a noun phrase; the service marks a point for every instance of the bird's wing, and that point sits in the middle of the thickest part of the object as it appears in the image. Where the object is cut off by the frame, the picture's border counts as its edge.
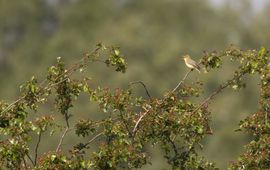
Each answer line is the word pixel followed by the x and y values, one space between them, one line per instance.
pixel 194 64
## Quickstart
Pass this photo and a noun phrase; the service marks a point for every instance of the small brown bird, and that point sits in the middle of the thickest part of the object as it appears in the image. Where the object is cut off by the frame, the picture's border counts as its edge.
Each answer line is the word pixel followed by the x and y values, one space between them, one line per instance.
pixel 191 63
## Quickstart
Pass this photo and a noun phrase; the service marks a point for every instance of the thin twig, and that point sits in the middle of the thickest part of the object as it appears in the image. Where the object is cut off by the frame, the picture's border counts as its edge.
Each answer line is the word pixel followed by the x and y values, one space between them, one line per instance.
pixel 210 97
pixel 217 91
pixel 138 121
pixel 94 138
pixel 222 87
pixel 89 142
pixel 64 133
pixel 36 148
pixel 266 118
pixel 174 146
pixel 12 104
pixel 101 61
pixel 59 82
pixel 31 160
pixel 24 163
pixel 144 86
pixel 181 82
pixel 61 140
pixel 125 123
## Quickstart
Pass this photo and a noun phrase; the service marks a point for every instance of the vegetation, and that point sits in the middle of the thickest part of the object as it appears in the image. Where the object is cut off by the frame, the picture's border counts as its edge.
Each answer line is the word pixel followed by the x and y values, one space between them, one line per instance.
pixel 175 122
pixel 154 35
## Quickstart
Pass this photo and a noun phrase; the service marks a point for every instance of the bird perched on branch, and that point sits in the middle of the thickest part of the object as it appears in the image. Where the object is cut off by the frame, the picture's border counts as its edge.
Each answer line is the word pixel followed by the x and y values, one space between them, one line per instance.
pixel 191 63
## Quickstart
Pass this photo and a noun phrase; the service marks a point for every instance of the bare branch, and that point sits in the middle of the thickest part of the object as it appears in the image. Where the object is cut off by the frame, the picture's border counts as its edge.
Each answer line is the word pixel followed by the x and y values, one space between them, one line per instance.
pixel 61 140
pixel 181 82
pixel 210 97
pixel 31 160
pixel 174 146
pixel 36 148
pixel 90 141
pixel 266 118
pixel 144 86
pixel 222 87
pixel 138 121
pixel 64 133
pixel 25 164
pixel 94 138
pixel 12 104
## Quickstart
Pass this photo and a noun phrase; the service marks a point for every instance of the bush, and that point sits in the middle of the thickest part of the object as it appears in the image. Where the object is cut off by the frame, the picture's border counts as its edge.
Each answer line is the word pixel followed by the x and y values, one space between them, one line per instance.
pixel 173 122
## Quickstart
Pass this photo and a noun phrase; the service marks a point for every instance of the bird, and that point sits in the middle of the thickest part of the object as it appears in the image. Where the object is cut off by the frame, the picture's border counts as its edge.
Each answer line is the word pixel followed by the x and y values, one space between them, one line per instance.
pixel 191 63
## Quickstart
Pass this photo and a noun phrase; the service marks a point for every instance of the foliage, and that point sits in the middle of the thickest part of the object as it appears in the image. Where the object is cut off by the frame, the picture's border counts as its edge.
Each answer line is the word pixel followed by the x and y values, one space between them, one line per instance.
pixel 35 32
pixel 173 122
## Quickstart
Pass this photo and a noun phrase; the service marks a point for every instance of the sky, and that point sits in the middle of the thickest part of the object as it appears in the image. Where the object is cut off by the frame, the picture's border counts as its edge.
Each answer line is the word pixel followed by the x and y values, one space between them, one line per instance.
pixel 257 4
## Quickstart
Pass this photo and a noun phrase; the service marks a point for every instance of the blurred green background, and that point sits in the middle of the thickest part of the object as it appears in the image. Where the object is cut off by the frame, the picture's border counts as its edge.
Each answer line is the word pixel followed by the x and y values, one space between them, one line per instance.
pixel 153 34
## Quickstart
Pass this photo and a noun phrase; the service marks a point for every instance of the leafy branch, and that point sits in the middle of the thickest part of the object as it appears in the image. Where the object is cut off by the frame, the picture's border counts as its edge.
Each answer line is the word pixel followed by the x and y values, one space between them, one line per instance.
pixel 130 122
